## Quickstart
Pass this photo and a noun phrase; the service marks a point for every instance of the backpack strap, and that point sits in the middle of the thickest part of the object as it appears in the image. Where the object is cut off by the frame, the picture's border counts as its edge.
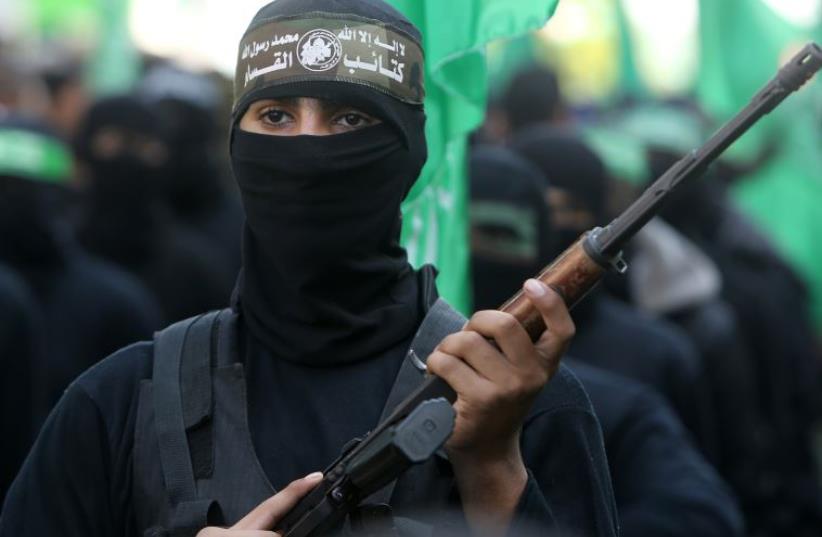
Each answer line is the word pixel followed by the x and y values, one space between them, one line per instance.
pixel 440 321
pixel 182 400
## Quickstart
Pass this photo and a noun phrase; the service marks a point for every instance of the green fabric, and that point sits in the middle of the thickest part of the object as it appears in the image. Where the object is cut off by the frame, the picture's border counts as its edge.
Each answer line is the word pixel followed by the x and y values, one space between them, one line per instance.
pixel 116 63
pixel 743 42
pixel 623 156
pixel 33 156
pixel 663 127
pixel 630 79
pixel 507 58
pixel 455 33
pixel 54 18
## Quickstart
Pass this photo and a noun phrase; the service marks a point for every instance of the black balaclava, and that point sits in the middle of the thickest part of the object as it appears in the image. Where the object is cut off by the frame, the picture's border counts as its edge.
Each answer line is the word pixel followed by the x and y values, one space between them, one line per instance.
pixel 193 185
pixel 511 237
pixel 572 167
pixel 532 97
pixel 324 278
pixel 124 188
pixel 34 166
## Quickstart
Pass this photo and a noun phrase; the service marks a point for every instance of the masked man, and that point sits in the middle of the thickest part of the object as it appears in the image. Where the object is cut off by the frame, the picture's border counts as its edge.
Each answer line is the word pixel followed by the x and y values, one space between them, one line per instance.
pixel 327 140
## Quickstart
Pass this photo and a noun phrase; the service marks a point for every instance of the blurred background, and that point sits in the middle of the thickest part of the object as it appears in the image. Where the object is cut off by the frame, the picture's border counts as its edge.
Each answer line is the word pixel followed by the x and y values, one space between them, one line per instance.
pixel 118 213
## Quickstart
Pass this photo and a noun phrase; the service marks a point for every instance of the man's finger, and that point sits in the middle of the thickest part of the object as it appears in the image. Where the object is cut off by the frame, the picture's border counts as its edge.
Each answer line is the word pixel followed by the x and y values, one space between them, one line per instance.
pixel 222 532
pixel 560 327
pixel 265 515
pixel 505 330
pixel 477 351
pixel 458 374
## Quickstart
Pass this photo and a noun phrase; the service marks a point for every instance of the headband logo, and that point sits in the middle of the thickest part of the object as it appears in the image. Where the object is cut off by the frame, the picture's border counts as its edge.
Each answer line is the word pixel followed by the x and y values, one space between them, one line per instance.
pixel 319 50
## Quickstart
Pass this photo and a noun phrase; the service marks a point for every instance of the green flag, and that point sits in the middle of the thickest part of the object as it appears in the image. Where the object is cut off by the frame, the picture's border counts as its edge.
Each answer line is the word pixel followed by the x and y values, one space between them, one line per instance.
pixel 630 80
pixel 114 62
pixel 743 42
pixel 455 33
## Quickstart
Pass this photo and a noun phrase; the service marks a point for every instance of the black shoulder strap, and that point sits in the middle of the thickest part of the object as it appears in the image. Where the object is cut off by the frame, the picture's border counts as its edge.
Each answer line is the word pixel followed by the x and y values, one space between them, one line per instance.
pixel 440 321
pixel 182 393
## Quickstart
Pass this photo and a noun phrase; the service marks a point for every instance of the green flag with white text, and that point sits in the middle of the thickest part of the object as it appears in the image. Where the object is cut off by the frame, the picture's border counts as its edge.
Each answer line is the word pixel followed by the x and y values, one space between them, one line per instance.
pixel 455 33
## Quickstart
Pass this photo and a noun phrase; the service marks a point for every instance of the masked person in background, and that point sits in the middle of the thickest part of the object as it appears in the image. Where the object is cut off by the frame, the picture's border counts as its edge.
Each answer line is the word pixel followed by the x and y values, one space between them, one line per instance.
pixel 662 485
pixel 770 302
pixel 88 308
pixel 19 327
pixel 123 151
pixel 195 186
pixel 612 334
pixel 324 149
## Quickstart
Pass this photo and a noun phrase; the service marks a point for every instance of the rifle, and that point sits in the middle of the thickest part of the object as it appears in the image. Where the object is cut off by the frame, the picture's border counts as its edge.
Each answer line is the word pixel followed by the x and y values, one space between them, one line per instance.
pixel 422 423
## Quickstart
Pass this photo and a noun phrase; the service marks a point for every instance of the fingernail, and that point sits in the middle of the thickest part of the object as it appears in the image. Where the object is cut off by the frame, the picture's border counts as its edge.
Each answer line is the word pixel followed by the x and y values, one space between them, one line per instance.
pixel 316 476
pixel 534 287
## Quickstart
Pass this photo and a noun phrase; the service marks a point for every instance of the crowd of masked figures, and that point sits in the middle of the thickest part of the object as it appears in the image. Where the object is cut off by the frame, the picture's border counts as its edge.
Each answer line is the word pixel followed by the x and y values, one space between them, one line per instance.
pixel 700 362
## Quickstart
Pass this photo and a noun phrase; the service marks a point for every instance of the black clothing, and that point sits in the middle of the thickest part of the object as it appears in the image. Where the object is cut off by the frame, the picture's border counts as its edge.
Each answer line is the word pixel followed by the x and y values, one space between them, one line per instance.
pixel 322 264
pixel 532 96
pixel 618 338
pixel 91 309
pixel 568 164
pixel 662 485
pixel 729 374
pixel 177 267
pixel 510 224
pixel 95 422
pixel 326 214
pixel 19 324
pixel 195 189
pixel 343 402
pixel 770 303
pixel 125 222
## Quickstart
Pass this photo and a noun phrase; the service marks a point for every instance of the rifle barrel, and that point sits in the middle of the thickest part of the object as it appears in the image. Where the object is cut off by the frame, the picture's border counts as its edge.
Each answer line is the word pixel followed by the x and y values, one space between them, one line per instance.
pixel 790 78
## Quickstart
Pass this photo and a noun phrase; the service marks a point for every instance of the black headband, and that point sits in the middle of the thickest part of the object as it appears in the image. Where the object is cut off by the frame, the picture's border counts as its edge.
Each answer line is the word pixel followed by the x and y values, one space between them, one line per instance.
pixel 328 47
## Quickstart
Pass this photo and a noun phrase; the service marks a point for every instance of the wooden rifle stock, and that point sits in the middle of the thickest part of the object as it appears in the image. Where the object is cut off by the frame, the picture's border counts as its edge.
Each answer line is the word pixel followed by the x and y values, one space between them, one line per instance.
pixel 572 275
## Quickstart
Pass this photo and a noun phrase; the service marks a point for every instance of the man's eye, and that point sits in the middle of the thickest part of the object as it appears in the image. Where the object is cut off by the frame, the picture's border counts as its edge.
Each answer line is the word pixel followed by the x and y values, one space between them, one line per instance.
pixel 274 117
pixel 353 120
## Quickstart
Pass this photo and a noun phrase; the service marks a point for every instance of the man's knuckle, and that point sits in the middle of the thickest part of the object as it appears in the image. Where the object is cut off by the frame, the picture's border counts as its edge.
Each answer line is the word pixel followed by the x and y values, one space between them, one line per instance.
pixel 508 323
pixel 474 339
pixel 441 363
pixel 567 329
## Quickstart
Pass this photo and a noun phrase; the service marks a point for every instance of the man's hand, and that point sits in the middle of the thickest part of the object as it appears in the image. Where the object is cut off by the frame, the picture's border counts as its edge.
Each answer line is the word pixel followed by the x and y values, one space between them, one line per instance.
pixel 496 387
pixel 261 519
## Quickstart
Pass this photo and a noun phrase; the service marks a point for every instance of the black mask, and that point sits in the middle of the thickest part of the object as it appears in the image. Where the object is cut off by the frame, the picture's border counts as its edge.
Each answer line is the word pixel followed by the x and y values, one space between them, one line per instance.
pixel 28 224
pixel 120 221
pixel 511 234
pixel 324 278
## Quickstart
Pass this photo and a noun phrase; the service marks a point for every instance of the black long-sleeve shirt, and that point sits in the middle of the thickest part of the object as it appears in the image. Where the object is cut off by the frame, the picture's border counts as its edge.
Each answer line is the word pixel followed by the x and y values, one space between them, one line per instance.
pixel 77 479
pixel 662 484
